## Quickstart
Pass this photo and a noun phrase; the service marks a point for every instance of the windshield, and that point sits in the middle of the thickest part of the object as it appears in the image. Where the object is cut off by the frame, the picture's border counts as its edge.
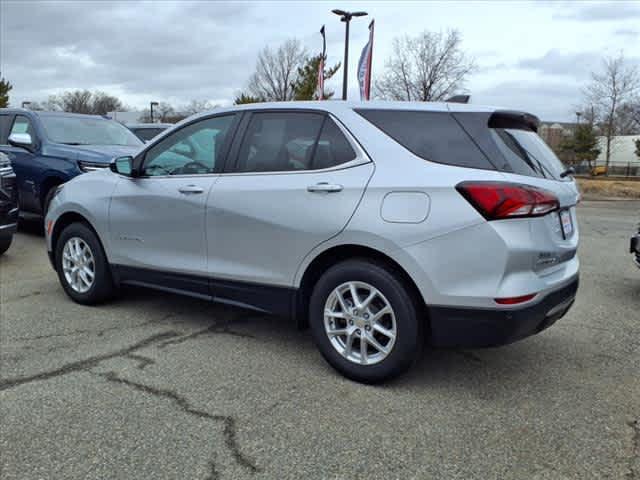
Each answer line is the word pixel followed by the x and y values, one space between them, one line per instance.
pixel 525 150
pixel 88 131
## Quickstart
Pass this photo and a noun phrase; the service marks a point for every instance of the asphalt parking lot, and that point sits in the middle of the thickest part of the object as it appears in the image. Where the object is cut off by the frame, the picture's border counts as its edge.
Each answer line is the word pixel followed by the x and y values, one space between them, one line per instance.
pixel 154 386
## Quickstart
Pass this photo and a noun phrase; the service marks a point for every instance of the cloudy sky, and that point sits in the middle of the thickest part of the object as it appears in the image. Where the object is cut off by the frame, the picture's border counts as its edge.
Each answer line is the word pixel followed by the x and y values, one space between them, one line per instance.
pixel 531 55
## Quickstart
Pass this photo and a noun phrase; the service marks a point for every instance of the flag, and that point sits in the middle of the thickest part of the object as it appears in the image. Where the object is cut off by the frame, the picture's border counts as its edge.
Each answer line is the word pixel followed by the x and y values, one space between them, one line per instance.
pixel 320 87
pixel 364 66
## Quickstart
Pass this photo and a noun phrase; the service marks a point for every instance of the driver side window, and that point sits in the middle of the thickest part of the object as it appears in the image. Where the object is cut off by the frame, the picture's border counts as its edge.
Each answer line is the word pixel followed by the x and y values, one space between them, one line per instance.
pixel 192 150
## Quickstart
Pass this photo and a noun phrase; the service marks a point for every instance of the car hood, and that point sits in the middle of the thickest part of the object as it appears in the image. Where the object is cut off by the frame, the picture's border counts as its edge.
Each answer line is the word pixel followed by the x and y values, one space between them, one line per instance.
pixel 92 153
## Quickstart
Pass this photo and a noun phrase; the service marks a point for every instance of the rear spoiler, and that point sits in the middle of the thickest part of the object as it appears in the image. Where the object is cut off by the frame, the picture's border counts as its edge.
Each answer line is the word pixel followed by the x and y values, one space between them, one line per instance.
pixel 458 99
pixel 514 119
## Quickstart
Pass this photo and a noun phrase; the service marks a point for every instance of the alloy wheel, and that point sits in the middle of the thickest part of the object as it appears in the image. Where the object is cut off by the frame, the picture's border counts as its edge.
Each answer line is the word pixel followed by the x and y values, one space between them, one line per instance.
pixel 78 265
pixel 360 323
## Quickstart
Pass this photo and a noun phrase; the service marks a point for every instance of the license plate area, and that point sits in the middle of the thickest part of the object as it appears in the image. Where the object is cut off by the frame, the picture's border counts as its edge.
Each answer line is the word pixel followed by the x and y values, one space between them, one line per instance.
pixel 566 224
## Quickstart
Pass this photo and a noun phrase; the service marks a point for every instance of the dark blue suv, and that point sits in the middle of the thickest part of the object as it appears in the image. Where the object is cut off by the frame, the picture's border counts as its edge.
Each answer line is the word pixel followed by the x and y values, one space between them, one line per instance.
pixel 47 149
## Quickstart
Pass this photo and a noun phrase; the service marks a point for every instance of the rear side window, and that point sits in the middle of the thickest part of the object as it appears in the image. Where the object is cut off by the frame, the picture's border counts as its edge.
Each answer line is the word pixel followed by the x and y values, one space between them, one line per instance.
pixel 292 141
pixel 433 136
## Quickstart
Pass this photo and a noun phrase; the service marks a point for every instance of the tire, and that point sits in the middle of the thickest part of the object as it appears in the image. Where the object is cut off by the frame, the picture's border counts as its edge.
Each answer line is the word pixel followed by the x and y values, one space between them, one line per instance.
pixel 101 288
pixel 5 243
pixel 379 365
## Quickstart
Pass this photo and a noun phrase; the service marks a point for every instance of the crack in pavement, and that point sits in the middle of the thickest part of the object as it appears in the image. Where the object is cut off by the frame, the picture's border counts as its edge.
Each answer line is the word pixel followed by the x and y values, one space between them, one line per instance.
pixel 229 422
pixel 210 330
pixel 635 449
pixel 73 333
pixel 213 471
pixel 143 361
pixel 84 364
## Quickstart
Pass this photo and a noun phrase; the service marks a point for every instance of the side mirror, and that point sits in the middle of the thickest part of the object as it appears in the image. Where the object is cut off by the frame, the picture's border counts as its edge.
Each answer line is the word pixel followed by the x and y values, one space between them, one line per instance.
pixel 23 140
pixel 122 165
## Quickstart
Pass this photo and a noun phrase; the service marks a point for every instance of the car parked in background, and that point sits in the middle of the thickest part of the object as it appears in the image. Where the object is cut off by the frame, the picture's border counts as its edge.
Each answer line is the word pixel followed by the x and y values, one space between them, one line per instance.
pixel 8 203
pixel 381 224
pixel 146 131
pixel 634 248
pixel 47 149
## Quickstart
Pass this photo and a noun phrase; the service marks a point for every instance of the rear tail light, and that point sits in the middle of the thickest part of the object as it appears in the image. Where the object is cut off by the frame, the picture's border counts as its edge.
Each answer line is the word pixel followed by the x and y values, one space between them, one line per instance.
pixel 515 300
pixel 500 200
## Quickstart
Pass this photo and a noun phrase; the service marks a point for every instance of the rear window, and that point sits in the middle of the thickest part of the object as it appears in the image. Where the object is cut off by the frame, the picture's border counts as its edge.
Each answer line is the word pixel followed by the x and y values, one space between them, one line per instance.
pixel 433 136
pixel 509 140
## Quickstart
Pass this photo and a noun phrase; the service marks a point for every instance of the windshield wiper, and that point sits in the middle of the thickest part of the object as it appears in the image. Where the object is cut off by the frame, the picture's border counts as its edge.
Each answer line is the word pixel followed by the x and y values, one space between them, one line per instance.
pixel 73 143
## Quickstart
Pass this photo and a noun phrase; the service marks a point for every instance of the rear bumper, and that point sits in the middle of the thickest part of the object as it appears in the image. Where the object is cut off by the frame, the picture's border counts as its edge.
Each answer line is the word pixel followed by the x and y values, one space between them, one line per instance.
pixel 458 327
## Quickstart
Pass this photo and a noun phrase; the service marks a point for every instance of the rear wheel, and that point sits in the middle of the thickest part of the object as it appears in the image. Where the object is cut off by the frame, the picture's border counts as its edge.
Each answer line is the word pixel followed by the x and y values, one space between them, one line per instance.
pixel 365 322
pixel 82 266
pixel 5 243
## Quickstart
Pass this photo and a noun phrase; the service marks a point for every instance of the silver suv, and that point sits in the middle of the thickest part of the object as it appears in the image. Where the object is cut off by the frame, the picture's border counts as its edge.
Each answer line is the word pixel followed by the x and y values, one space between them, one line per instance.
pixel 379 225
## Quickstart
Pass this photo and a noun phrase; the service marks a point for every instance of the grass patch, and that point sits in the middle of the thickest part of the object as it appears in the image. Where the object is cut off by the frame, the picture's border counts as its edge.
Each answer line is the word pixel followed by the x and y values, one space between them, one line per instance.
pixel 609 188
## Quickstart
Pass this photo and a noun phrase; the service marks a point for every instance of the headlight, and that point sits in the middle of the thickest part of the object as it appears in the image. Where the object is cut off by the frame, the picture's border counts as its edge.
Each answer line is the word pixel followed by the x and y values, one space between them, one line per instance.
pixel 91 166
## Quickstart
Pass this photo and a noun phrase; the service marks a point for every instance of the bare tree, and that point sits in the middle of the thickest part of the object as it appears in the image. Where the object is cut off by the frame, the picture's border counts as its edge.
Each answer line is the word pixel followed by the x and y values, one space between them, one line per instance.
pixel 197 106
pixel 77 101
pixel 616 85
pixel 103 103
pixel 276 71
pixel 429 67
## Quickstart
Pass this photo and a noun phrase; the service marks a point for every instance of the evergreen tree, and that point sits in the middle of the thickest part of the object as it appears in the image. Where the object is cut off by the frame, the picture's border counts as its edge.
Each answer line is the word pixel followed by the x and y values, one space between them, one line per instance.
pixel 304 88
pixel 5 87
pixel 244 98
pixel 582 146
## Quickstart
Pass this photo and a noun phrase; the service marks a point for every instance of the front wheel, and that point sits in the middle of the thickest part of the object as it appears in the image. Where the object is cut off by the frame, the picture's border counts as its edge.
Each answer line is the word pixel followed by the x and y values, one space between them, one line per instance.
pixel 365 321
pixel 82 265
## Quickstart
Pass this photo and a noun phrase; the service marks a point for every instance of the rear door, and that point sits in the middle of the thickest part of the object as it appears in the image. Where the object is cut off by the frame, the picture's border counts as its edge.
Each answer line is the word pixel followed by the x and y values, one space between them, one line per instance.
pixel 295 178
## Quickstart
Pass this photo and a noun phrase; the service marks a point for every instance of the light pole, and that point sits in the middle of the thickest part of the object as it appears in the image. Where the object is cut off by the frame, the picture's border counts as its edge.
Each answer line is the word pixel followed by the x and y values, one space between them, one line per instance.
pixel 346 18
pixel 152 104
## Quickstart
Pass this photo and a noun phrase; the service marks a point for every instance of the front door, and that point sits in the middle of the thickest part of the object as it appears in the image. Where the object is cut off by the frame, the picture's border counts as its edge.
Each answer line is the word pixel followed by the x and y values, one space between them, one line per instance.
pixel 295 183
pixel 157 220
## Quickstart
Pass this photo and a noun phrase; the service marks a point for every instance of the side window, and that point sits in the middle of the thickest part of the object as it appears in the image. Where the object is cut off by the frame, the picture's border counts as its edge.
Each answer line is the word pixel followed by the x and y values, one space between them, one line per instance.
pixel 279 142
pixel 22 125
pixel 191 150
pixel 5 123
pixel 333 148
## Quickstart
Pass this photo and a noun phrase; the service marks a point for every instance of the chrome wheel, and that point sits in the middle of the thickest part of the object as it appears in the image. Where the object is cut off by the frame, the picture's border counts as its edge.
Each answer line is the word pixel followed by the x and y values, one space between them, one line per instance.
pixel 360 323
pixel 78 265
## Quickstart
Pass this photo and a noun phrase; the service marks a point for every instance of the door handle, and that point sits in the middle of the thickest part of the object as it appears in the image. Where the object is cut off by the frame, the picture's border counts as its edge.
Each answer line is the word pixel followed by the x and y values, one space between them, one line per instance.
pixel 191 189
pixel 324 187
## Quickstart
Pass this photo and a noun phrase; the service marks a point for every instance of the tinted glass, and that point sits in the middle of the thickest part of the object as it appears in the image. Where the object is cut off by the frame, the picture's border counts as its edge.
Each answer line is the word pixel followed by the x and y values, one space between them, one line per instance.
pixel 87 131
pixel 434 136
pixel 279 142
pixel 5 124
pixel 191 150
pixel 333 148
pixel 511 145
pixel 527 153
pixel 146 134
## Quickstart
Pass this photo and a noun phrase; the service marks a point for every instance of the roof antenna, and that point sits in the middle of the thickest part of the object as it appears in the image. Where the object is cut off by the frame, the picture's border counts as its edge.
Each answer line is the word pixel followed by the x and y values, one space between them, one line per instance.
pixel 458 99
